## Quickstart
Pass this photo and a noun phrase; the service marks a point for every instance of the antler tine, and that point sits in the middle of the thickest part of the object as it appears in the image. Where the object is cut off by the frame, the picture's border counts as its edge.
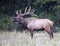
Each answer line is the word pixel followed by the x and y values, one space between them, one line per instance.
pixel 28 12
pixel 29 9
pixel 23 13
pixel 17 13
pixel 25 10
pixel 20 12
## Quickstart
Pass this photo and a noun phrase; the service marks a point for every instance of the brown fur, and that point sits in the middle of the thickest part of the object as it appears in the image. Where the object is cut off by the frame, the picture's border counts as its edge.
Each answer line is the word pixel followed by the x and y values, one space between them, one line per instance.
pixel 32 23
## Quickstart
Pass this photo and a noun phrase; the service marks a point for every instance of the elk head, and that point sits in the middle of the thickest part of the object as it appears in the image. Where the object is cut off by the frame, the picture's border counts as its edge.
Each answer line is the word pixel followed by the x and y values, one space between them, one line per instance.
pixel 27 13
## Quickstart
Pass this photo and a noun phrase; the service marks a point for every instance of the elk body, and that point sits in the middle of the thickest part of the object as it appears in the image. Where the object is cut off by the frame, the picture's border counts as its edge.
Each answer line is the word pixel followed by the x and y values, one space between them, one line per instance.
pixel 32 23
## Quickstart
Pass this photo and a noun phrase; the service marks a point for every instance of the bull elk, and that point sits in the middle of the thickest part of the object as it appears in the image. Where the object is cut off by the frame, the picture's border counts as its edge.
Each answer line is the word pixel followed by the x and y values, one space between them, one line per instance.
pixel 32 23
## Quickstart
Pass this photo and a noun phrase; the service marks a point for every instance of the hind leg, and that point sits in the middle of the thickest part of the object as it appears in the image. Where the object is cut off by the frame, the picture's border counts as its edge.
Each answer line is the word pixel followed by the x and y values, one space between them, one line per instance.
pixel 49 32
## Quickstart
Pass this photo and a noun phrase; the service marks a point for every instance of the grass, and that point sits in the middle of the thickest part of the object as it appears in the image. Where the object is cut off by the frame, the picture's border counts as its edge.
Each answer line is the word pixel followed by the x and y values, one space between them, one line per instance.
pixel 24 39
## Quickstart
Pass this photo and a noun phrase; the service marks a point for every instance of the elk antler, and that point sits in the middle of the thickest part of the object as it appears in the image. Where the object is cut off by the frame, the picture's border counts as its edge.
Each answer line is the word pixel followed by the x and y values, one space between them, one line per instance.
pixel 23 13
pixel 18 15
pixel 27 11
pixel 30 11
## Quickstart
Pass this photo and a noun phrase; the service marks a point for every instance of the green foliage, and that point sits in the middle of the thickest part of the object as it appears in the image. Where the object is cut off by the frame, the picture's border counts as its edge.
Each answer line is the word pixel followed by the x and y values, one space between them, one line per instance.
pixel 6 23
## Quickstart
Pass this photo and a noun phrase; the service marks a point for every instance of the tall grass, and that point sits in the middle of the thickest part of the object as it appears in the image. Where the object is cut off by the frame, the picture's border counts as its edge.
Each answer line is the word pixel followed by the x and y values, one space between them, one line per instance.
pixel 24 39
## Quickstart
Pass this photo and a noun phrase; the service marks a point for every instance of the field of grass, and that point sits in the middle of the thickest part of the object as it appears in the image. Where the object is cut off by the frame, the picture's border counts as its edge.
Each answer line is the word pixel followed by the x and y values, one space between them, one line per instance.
pixel 24 39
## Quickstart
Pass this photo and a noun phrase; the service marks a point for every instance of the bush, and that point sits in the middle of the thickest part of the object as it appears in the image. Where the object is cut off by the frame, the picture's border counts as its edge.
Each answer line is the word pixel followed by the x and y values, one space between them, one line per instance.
pixel 6 23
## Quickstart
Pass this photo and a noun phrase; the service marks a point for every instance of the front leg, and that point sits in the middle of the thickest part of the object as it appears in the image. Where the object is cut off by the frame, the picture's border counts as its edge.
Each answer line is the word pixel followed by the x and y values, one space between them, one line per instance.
pixel 31 33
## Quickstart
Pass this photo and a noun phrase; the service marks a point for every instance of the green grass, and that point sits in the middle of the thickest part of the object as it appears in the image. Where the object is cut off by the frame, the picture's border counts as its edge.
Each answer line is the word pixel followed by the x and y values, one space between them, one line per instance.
pixel 24 39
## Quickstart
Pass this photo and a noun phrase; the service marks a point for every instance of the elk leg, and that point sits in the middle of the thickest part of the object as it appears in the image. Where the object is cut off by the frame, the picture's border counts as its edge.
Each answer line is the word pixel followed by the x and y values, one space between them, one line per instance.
pixel 31 33
pixel 50 34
